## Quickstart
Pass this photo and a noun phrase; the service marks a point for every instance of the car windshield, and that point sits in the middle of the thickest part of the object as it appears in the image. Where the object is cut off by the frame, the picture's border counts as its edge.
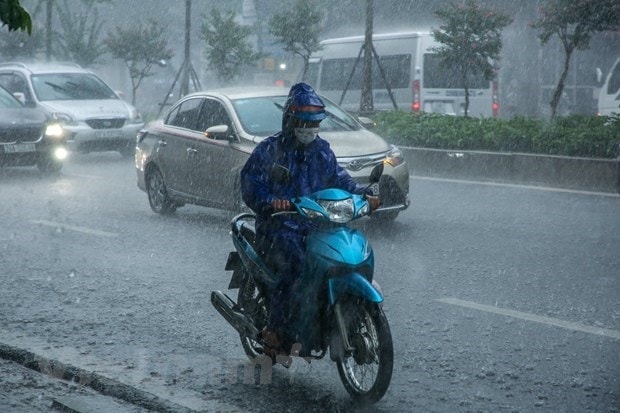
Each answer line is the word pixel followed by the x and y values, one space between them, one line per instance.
pixel 7 101
pixel 70 86
pixel 262 116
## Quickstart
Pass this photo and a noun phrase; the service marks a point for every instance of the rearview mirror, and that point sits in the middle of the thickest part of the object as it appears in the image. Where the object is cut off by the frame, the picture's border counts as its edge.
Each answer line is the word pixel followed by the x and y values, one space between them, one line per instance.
pixel 375 174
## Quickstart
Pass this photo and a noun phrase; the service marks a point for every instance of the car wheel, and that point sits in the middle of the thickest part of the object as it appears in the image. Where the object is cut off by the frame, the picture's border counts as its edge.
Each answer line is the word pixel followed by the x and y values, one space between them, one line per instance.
pixel 49 166
pixel 157 192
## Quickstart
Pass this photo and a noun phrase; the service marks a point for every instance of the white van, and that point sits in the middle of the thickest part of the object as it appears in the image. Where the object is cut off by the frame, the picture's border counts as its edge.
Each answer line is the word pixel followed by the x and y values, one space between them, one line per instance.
pixel 416 79
pixel 609 96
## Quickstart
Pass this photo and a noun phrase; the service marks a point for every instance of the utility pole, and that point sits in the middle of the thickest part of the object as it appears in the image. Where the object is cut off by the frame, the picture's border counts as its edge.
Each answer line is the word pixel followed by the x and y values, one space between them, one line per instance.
pixel 48 34
pixel 186 71
pixel 366 103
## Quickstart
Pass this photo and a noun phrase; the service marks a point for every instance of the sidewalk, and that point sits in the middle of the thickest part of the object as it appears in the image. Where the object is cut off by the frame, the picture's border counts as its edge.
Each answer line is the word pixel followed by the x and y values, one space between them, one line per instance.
pixel 23 390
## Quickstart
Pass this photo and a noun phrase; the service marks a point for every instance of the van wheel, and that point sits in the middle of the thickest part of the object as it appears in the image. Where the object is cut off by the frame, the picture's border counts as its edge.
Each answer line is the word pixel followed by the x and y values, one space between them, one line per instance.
pixel 157 192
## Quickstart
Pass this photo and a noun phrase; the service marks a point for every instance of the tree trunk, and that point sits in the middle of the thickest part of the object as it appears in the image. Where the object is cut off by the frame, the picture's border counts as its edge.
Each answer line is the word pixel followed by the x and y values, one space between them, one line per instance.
pixel 557 94
pixel 466 87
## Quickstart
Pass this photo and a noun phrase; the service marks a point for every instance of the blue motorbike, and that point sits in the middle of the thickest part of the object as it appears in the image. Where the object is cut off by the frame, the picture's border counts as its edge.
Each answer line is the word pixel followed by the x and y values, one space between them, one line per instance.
pixel 342 312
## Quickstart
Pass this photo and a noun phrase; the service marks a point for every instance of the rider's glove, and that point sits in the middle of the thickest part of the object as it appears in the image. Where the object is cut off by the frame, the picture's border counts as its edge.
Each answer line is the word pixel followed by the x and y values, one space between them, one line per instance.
pixel 373 201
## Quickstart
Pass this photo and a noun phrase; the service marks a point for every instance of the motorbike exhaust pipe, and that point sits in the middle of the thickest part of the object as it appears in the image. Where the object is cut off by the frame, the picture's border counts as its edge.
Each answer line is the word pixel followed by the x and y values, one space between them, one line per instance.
pixel 233 314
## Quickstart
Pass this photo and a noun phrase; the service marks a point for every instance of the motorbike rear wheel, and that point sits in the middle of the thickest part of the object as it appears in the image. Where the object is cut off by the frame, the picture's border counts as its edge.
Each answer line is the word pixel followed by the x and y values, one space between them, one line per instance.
pixel 253 304
pixel 367 371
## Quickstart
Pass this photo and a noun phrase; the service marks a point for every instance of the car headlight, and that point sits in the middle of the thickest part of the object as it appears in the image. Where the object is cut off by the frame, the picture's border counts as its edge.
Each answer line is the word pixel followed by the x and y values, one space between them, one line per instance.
pixel 54 130
pixel 61 153
pixel 63 117
pixel 339 211
pixel 135 116
pixel 394 157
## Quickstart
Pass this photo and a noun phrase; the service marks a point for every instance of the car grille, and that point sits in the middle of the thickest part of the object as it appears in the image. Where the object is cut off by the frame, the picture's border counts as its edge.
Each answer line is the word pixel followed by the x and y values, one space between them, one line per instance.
pixel 106 123
pixel 20 135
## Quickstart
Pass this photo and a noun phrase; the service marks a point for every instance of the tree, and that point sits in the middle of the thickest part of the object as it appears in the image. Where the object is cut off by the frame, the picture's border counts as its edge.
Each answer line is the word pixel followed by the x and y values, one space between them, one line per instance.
pixel 574 22
pixel 471 41
pixel 297 29
pixel 80 41
pixel 15 45
pixel 141 47
pixel 12 14
pixel 227 49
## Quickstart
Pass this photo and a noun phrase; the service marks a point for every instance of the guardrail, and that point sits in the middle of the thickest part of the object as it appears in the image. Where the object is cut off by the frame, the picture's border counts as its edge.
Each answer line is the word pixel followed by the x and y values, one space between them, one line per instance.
pixel 586 174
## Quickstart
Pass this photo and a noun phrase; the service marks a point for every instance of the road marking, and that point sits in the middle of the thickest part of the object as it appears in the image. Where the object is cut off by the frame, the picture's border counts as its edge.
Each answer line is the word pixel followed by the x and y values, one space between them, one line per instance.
pixel 538 188
pixel 533 317
pixel 74 228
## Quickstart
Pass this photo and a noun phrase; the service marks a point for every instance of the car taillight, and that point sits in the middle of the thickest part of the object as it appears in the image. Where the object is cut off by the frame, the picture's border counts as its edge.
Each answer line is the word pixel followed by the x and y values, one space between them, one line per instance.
pixel 495 104
pixel 415 106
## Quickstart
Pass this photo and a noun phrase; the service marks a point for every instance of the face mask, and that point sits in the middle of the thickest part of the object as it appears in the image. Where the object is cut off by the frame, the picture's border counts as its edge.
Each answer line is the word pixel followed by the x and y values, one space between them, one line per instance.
pixel 306 135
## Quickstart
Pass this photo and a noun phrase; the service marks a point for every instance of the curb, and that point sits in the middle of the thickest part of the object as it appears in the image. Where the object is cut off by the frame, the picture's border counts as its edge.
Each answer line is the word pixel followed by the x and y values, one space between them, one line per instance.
pixel 99 383
pixel 586 174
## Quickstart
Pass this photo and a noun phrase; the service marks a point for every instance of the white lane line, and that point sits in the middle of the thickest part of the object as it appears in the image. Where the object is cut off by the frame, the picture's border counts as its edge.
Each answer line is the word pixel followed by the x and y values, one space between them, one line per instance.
pixel 533 317
pixel 74 228
pixel 537 188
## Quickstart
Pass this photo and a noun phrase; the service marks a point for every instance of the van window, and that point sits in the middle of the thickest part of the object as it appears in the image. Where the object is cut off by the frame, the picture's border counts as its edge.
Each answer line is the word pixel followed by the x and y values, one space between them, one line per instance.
pixel 336 72
pixel 614 81
pixel 439 76
pixel 312 74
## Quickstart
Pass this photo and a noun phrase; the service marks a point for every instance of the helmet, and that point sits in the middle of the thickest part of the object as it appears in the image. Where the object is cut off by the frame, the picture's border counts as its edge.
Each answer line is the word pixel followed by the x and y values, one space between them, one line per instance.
pixel 302 103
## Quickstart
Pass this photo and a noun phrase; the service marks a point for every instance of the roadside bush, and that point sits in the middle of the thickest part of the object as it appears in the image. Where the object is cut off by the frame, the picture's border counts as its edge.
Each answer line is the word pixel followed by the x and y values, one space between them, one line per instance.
pixel 575 135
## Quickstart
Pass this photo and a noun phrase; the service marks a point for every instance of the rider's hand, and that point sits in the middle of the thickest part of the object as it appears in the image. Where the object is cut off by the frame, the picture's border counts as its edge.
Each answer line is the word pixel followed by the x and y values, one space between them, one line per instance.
pixel 373 201
pixel 281 205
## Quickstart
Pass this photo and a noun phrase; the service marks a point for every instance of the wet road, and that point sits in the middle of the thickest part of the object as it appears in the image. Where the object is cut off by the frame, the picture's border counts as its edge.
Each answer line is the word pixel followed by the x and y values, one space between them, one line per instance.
pixel 499 298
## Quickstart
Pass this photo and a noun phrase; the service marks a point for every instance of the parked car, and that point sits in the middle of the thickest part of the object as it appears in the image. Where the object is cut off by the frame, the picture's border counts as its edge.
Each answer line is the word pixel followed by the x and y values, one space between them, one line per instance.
pixel 195 153
pixel 29 137
pixel 95 118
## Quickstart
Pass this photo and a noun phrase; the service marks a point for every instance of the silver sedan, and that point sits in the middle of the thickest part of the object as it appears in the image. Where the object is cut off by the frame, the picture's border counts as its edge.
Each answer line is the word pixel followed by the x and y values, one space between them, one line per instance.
pixel 194 154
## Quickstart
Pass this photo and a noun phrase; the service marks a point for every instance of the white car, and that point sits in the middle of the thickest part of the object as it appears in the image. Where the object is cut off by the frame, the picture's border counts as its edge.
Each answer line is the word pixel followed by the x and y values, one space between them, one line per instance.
pixel 94 117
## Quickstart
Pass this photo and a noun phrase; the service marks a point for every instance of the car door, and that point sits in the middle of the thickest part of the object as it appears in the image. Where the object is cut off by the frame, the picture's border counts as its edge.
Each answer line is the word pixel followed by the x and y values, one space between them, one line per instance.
pixel 175 151
pixel 210 176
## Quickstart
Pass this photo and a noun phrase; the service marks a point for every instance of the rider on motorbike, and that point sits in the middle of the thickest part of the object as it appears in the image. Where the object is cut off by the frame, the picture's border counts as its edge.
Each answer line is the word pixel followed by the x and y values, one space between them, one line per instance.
pixel 312 166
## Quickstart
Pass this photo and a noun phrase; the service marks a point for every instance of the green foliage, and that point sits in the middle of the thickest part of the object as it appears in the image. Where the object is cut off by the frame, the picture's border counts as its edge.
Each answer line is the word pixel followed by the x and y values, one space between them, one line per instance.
pixel 471 39
pixel 574 22
pixel 297 29
pixel 227 49
pixel 141 47
pixel 12 14
pixel 80 39
pixel 15 45
pixel 575 135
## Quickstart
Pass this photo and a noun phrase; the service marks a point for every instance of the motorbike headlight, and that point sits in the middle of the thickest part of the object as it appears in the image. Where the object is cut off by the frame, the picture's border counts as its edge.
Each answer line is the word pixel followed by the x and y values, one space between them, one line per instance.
pixel 395 157
pixel 311 213
pixel 54 130
pixel 364 210
pixel 339 211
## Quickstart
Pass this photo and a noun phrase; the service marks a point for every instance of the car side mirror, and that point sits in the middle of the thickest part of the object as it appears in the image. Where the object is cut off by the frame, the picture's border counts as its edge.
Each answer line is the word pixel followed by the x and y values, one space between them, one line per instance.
pixel 20 96
pixel 367 122
pixel 217 132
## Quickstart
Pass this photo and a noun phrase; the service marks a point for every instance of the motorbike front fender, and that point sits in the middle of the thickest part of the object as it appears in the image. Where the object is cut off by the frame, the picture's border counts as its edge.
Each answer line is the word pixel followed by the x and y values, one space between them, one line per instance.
pixel 355 284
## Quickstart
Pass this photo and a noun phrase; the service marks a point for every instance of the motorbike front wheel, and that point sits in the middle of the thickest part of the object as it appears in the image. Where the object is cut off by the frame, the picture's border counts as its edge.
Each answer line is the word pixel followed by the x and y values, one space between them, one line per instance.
pixel 253 304
pixel 366 372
